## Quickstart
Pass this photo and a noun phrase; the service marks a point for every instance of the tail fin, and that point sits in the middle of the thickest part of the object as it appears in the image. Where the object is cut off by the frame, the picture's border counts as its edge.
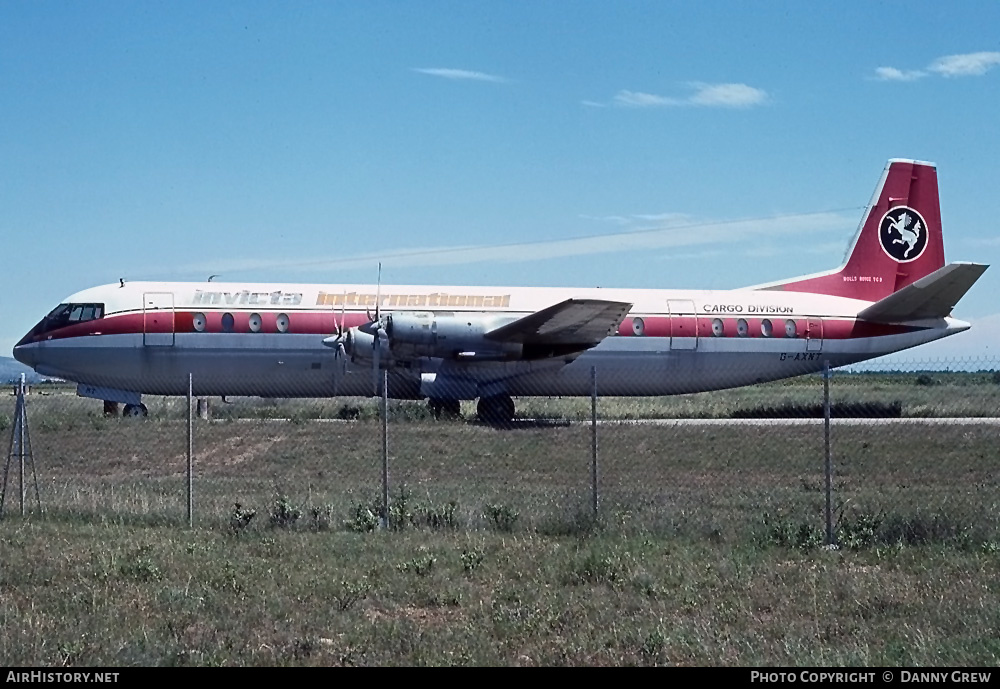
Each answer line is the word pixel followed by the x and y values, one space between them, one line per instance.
pixel 899 240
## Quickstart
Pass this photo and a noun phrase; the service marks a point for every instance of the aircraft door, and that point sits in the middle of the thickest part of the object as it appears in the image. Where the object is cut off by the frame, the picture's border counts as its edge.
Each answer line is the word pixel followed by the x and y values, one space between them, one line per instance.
pixel 158 319
pixel 814 335
pixel 683 324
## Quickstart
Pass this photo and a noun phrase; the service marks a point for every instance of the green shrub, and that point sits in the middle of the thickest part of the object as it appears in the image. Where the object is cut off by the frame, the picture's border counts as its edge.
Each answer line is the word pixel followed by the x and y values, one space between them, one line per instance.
pixel 240 518
pixel 442 517
pixel 284 515
pixel 503 517
pixel 364 519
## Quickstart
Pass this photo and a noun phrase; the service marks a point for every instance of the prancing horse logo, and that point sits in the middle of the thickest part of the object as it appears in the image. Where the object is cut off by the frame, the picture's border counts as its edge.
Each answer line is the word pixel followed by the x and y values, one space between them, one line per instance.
pixel 903 234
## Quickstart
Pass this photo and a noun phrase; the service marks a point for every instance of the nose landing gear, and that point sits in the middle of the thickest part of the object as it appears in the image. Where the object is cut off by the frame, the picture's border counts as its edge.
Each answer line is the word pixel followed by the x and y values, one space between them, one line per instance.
pixel 135 411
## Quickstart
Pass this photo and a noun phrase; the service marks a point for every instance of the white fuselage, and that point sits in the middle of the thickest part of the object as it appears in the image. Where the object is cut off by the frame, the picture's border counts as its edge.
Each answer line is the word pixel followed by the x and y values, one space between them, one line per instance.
pixel 267 340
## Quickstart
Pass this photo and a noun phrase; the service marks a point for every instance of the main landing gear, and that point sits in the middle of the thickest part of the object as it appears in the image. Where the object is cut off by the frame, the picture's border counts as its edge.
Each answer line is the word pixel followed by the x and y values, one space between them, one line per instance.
pixel 135 411
pixel 497 410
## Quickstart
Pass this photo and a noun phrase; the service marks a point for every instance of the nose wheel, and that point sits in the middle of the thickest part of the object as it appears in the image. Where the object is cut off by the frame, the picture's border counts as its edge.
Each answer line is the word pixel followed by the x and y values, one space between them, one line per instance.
pixel 496 411
pixel 135 411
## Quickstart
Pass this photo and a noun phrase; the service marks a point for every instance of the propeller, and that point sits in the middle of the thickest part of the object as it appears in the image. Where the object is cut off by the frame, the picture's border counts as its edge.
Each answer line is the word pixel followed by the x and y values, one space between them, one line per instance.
pixel 345 339
pixel 337 342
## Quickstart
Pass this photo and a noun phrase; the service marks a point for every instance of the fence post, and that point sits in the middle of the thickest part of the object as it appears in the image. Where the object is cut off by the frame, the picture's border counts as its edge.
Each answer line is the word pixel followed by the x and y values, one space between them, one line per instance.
pixel 593 438
pixel 385 449
pixel 190 453
pixel 21 416
pixel 830 540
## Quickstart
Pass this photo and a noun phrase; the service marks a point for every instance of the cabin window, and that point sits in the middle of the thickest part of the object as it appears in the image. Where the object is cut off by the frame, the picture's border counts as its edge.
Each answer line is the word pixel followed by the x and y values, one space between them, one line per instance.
pixel 638 326
pixel 198 322
pixel 742 329
pixel 790 330
pixel 718 329
pixel 282 323
pixel 228 322
pixel 766 328
pixel 255 322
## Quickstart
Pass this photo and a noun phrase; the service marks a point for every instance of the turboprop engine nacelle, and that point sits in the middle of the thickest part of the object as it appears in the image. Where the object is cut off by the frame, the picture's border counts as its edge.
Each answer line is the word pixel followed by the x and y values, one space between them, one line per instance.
pixel 419 334
pixel 360 345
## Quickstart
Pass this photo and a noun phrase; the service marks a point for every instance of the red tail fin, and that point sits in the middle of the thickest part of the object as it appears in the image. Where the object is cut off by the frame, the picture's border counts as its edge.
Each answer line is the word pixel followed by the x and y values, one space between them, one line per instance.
pixel 898 243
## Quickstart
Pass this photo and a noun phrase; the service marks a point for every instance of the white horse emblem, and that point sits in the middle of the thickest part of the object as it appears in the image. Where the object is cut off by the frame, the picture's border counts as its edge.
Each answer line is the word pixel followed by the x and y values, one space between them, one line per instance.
pixel 906 236
pixel 903 234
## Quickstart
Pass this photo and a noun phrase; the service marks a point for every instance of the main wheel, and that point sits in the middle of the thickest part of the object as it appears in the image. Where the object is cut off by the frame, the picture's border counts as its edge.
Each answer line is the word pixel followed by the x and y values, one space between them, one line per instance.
pixel 135 411
pixel 496 411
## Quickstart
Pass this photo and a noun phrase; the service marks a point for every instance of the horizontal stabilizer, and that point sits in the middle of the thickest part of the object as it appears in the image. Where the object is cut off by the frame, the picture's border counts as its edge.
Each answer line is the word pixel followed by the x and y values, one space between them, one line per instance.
pixel 582 322
pixel 932 296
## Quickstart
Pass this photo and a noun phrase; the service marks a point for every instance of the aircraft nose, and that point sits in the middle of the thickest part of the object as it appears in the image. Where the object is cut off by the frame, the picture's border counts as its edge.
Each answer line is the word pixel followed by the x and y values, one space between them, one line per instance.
pixel 25 353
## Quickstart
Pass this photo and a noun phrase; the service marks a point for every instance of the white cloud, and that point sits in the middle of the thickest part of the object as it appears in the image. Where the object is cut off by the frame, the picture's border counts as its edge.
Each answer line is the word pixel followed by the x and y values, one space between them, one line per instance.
pixel 893 74
pixel 965 65
pixel 663 217
pixel 969 64
pixel 459 74
pixel 637 99
pixel 727 95
pixel 704 95
pixel 687 235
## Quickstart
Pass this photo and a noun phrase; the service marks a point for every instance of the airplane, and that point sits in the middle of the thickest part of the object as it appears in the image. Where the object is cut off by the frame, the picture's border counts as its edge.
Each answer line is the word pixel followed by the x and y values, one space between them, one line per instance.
pixel 447 344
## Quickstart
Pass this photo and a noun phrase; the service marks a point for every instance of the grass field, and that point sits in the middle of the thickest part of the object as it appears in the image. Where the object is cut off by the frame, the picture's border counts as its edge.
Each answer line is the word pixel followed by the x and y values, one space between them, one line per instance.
pixel 707 549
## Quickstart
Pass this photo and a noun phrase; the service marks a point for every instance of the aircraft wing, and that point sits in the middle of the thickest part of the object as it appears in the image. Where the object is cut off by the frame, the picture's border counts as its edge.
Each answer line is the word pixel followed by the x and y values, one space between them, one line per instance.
pixel 582 322
pixel 932 296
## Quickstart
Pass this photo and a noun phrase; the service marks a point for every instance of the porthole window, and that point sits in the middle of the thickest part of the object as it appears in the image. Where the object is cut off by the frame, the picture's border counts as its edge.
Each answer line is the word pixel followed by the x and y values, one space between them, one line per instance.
pixel 228 322
pixel 198 322
pixel 766 328
pixel 255 322
pixel 742 328
pixel 717 328
pixel 638 326
pixel 282 323
pixel 790 328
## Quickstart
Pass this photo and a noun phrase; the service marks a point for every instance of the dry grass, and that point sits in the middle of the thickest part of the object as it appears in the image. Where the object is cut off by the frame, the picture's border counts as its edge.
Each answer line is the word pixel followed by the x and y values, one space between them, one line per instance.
pixel 706 551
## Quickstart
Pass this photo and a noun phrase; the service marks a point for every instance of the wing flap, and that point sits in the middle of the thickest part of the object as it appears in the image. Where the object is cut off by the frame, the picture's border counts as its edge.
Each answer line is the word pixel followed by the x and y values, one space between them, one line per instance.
pixel 932 296
pixel 583 322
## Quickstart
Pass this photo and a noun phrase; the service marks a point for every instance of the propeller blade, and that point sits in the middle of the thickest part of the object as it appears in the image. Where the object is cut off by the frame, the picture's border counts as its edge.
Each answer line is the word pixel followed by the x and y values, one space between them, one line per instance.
pixel 378 291
pixel 343 306
pixel 340 367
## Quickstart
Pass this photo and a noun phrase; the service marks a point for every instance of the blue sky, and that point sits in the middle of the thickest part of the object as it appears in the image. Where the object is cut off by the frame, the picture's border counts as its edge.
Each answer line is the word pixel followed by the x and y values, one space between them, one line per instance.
pixel 639 144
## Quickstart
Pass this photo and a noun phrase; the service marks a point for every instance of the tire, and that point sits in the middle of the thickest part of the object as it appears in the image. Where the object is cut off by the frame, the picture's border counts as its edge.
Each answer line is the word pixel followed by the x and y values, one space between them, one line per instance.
pixel 137 411
pixel 496 411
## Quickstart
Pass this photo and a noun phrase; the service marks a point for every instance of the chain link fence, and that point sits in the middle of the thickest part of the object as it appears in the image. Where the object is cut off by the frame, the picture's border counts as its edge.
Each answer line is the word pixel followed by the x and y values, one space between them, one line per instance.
pixel 914 457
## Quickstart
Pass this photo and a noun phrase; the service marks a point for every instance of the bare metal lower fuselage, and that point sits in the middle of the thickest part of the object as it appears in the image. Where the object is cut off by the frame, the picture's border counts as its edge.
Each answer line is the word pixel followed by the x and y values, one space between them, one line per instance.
pixel 291 365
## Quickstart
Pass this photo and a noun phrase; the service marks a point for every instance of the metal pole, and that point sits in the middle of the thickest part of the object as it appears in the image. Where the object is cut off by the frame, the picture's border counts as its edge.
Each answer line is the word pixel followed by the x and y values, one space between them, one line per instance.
pixel 21 416
pixel 385 449
pixel 829 457
pixel 190 454
pixel 593 438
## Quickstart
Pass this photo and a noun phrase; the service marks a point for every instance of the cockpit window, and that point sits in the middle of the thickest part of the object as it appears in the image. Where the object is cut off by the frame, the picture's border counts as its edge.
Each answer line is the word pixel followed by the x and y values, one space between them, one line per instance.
pixel 69 314
pixel 62 316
